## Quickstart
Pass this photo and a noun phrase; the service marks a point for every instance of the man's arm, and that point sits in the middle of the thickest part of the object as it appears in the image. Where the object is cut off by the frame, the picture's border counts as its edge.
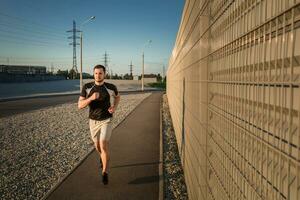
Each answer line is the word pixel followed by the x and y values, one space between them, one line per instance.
pixel 116 101
pixel 113 108
pixel 84 102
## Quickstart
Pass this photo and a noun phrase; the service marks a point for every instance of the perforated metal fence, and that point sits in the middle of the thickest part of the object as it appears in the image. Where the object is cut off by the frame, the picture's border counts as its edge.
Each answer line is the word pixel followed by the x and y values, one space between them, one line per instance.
pixel 234 97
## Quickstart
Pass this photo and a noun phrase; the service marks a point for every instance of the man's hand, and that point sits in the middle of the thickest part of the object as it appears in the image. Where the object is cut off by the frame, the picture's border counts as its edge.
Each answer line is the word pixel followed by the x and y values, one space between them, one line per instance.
pixel 111 109
pixel 94 96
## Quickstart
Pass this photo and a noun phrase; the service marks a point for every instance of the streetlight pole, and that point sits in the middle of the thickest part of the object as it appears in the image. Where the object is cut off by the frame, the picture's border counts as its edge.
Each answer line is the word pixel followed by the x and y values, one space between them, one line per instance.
pixel 81 81
pixel 143 63
pixel 81 44
pixel 143 58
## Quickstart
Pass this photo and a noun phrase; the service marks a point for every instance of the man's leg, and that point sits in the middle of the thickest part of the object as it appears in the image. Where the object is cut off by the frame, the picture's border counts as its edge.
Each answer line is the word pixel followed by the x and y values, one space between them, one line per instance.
pixel 95 131
pixel 98 149
pixel 104 148
pixel 105 135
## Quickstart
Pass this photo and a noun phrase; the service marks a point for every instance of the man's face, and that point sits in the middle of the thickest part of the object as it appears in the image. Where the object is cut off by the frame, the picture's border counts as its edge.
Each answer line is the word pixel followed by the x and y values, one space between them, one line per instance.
pixel 99 75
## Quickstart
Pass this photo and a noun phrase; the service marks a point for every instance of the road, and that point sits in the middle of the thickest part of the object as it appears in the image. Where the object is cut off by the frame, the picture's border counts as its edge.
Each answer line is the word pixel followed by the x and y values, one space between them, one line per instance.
pixel 8 108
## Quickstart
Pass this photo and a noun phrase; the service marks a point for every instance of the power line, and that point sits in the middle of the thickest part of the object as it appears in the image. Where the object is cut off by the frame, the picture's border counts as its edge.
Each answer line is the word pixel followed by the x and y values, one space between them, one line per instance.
pixel 31 22
pixel 35 58
pixel 24 39
pixel 22 43
pixel 30 35
pixel 27 29
pixel 13 24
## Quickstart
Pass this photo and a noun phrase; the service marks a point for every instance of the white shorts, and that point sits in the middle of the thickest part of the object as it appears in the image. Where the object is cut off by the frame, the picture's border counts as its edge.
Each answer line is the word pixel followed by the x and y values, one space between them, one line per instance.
pixel 100 129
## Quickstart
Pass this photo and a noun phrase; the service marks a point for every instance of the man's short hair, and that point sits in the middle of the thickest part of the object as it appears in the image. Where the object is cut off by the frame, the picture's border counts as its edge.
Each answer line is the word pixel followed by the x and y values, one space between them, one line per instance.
pixel 100 67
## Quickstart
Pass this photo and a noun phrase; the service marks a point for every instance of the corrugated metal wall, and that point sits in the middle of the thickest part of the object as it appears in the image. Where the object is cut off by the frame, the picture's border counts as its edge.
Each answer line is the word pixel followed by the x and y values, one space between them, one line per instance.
pixel 233 90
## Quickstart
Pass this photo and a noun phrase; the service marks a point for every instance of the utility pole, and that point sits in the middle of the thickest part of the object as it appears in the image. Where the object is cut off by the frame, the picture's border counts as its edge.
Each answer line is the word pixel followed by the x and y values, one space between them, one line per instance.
pixel 131 70
pixel 74 44
pixel 52 68
pixel 143 68
pixel 163 74
pixel 143 63
pixel 105 59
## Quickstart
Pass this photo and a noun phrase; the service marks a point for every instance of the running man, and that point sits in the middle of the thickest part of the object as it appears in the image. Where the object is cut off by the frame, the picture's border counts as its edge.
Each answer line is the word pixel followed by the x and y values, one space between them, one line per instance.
pixel 96 95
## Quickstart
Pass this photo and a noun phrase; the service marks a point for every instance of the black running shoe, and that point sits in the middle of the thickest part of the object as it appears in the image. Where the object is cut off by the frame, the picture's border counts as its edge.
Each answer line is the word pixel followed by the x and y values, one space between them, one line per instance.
pixel 105 178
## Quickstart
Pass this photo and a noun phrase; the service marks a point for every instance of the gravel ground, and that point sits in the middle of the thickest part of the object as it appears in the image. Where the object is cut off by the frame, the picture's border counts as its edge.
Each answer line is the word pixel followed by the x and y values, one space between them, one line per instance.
pixel 174 182
pixel 42 146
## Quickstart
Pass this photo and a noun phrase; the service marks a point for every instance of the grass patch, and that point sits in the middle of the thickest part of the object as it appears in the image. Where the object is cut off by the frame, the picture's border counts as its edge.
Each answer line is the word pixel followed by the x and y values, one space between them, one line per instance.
pixel 161 85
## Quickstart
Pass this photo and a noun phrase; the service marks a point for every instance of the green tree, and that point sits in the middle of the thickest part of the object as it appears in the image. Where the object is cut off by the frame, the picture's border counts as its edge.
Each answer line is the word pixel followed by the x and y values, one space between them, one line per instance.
pixel 159 78
pixel 63 73
pixel 127 77
pixel 73 75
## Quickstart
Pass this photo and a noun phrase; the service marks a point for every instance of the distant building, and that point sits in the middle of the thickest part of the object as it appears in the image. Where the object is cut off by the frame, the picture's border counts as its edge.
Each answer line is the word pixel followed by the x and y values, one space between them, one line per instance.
pixel 22 69
pixel 136 77
pixel 150 80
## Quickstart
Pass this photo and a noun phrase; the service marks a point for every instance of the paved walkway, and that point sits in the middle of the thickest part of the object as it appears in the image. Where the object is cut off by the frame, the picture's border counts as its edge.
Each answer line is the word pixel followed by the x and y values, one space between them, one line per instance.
pixel 134 166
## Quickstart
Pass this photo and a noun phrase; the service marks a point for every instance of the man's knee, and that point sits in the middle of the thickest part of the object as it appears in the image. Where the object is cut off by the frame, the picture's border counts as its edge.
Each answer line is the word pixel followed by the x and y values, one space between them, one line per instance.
pixel 97 146
pixel 104 146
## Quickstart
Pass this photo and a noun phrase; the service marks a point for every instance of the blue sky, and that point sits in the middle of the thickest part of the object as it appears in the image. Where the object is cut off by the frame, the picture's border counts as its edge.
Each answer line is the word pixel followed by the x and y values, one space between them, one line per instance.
pixel 34 32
